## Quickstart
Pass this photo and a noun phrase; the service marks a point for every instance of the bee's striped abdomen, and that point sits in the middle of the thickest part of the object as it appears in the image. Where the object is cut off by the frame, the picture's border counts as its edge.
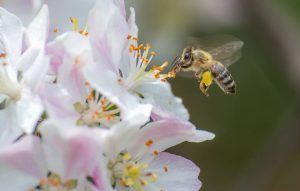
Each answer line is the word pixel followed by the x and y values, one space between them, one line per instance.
pixel 223 78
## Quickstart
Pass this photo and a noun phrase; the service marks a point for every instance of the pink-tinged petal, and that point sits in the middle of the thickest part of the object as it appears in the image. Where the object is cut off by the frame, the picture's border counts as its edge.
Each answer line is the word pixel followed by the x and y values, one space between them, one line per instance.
pixel 59 105
pixel 11 30
pixel 165 134
pixel 106 82
pixel 24 9
pixel 174 173
pixel 101 177
pixel 108 33
pixel 38 30
pixel 160 95
pixel 25 155
pixel 70 53
pixel 71 152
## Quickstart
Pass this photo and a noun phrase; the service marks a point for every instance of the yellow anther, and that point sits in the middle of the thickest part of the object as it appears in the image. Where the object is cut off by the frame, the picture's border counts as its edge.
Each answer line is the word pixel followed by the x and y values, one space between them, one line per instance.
pixel 144 183
pixel 161 67
pixel 149 143
pixel 126 157
pixel 157 76
pixel 3 55
pixel 84 32
pixel 144 166
pixel 141 47
pixel 145 60
pixel 74 21
pixel 135 38
pixel 129 37
pixel 172 74
pixel 87 83
pixel 152 53
pixel 128 182
pixel 155 152
pixel 133 171
pixel 166 169
pixel 153 177
pixel 55 30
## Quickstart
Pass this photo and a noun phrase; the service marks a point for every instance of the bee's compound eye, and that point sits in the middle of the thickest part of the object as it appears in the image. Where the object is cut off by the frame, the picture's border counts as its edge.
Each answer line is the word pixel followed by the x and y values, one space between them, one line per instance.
pixel 187 55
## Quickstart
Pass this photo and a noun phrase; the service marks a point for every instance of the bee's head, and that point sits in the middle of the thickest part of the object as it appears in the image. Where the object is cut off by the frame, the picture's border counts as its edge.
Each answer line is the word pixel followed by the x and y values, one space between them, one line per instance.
pixel 183 61
pixel 186 57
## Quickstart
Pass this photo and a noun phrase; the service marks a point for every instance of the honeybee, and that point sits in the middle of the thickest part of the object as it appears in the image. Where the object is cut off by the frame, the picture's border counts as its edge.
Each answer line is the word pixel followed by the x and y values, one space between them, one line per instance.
pixel 209 59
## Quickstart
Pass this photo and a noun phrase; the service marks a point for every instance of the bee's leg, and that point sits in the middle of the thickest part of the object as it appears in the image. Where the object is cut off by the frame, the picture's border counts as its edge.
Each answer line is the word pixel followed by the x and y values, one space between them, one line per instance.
pixel 198 74
pixel 205 82
pixel 177 68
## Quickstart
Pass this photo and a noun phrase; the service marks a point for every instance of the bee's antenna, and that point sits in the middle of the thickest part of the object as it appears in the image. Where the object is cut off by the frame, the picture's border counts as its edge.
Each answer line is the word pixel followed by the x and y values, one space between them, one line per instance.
pixel 175 61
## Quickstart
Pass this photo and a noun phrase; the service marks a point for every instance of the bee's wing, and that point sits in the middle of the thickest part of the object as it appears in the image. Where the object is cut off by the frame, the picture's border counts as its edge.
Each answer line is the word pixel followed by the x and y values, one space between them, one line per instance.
pixel 224 48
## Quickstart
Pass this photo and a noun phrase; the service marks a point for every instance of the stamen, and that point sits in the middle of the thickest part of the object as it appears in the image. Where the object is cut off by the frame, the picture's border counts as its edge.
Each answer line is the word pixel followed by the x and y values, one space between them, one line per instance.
pixel 152 53
pixel 96 110
pixel 155 152
pixel 166 169
pixel 149 143
pixel 74 21
pixel 55 30
pixel 84 32
pixel 54 182
pixel 3 55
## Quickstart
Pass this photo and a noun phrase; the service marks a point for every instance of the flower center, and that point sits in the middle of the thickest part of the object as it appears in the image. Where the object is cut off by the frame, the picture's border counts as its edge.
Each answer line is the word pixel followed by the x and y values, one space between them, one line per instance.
pixel 139 71
pixel 96 110
pixel 54 183
pixel 10 82
pixel 128 172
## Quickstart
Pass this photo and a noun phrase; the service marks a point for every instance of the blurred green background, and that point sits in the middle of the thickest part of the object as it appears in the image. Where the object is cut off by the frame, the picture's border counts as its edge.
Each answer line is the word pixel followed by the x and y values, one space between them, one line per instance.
pixel 258 130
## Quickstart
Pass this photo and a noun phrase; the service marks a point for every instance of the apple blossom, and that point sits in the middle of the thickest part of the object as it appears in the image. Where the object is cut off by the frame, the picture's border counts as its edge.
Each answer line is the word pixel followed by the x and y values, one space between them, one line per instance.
pixel 136 160
pixel 121 68
pixel 23 64
pixel 76 101
pixel 60 161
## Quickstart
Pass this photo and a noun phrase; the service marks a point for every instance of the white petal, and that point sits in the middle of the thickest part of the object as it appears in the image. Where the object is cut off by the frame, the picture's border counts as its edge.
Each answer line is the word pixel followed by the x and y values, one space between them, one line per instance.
pixel 28 111
pixel 38 29
pixel 24 9
pixel 11 31
pixel 182 174
pixel 160 95
pixel 9 127
pixel 12 179
pixel 37 71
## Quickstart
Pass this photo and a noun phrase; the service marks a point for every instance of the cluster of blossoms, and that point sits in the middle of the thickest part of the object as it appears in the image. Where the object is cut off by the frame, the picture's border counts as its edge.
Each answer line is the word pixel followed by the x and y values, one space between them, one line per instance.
pixel 86 111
